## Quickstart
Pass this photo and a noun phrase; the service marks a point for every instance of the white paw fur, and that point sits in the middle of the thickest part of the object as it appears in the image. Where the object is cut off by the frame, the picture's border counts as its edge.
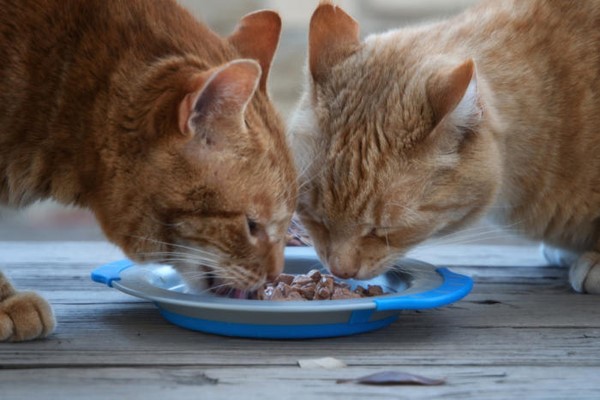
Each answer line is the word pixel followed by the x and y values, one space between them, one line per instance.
pixel 584 274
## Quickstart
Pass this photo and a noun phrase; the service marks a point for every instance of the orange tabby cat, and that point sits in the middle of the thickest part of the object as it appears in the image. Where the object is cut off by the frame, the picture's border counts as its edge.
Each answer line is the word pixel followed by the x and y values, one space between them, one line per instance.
pixel 163 129
pixel 416 132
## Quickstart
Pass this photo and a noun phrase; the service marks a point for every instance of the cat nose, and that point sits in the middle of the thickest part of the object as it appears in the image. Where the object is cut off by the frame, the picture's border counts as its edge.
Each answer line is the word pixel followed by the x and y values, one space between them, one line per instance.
pixel 342 271
pixel 344 274
pixel 343 260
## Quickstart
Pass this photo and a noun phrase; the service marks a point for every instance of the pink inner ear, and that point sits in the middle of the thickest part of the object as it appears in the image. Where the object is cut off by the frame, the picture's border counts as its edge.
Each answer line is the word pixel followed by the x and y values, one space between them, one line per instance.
pixel 222 92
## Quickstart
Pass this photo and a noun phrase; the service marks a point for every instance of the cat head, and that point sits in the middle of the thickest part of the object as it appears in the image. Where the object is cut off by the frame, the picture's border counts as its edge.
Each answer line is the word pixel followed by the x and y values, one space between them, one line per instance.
pixel 389 145
pixel 203 177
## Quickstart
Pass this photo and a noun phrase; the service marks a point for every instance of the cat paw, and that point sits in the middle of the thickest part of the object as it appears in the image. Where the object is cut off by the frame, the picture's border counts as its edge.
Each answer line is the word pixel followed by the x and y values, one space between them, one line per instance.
pixel 25 316
pixel 584 274
pixel 6 289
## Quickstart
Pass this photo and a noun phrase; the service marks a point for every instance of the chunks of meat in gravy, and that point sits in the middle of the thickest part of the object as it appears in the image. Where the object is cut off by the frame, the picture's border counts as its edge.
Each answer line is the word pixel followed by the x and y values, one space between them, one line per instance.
pixel 313 286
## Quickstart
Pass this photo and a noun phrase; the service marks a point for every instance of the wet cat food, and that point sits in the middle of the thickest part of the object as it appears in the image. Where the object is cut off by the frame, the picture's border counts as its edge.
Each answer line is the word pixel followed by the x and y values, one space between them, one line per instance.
pixel 313 286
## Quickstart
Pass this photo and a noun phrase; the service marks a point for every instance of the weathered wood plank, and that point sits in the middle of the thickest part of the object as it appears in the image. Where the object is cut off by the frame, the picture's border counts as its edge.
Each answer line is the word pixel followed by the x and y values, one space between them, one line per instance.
pixel 502 382
pixel 472 332
pixel 521 330
pixel 86 253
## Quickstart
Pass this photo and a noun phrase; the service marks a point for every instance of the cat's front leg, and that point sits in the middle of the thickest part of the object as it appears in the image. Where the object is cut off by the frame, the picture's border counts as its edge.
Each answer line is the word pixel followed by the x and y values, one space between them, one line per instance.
pixel 584 274
pixel 23 315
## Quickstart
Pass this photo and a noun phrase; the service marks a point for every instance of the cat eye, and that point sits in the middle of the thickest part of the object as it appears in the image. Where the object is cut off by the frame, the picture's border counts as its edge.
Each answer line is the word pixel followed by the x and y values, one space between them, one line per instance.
pixel 373 233
pixel 246 123
pixel 252 226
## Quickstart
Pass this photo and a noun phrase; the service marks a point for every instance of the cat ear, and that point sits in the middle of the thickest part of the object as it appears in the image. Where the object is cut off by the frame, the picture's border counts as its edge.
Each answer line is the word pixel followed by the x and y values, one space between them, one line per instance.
pixel 256 37
pixel 333 36
pixel 452 94
pixel 224 94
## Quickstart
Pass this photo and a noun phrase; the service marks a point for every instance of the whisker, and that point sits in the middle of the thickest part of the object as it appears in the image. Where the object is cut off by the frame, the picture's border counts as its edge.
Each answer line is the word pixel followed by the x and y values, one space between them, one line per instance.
pixel 181 257
pixel 173 258
pixel 187 261
pixel 469 236
pixel 179 253
pixel 462 241
pixel 193 249
pixel 305 182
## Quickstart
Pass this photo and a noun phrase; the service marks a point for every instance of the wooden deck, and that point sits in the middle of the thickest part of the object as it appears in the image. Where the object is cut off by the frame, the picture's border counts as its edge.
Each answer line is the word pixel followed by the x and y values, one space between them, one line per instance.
pixel 521 332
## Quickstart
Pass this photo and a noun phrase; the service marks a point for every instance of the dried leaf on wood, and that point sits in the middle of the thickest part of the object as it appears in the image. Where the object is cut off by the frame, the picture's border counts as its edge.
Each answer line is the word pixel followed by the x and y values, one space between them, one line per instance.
pixel 391 378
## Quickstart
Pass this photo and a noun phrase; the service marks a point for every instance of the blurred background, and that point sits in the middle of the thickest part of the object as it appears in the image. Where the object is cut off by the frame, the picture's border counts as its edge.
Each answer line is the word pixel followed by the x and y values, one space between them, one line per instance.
pixel 49 221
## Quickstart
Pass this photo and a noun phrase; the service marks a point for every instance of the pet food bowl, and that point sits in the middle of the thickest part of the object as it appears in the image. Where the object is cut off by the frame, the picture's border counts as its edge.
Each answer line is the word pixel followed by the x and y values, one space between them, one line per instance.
pixel 413 285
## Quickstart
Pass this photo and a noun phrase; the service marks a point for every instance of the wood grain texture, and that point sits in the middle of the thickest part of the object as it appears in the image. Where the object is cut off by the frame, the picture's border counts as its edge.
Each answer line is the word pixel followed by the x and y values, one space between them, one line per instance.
pixel 521 331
